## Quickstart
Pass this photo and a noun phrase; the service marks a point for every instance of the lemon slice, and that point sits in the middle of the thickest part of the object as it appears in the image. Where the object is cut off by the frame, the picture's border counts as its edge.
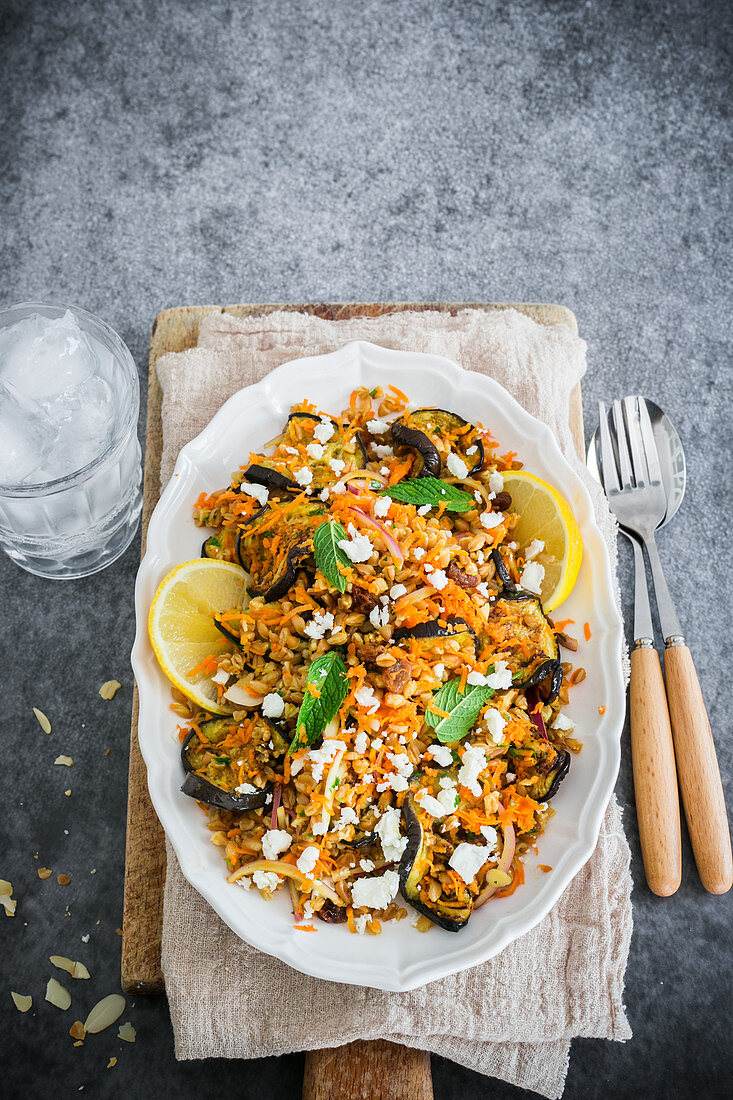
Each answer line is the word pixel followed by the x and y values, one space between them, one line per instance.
pixel 544 514
pixel 181 624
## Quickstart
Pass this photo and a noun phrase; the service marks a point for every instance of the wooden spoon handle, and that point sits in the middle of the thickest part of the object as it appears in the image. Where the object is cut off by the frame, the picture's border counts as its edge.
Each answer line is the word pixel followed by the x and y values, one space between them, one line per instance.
pixel 697 768
pixel 655 781
pixel 367 1070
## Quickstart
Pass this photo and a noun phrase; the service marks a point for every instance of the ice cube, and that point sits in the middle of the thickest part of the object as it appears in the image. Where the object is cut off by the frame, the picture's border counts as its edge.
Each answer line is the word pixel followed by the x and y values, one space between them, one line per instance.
pixel 27 437
pixel 41 358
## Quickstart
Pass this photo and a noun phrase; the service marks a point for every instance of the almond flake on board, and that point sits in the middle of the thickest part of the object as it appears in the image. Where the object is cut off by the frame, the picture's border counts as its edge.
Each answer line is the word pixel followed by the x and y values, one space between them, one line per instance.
pixel 57 995
pixel 77 1030
pixel 76 969
pixel 8 903
pixel 21 1001
pixel 112 1062
pixel 63 880
pixel 65 760
pixel 44 872
pixel 109 689
pixel 43 721
pixel 127 1033
pixel 105 1013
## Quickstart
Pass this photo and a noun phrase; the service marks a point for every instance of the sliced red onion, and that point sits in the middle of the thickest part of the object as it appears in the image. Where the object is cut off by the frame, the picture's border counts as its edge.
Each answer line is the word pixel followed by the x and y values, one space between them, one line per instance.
pixel 535 716
pixel 507 855
pixel 275 803
pixel 392 544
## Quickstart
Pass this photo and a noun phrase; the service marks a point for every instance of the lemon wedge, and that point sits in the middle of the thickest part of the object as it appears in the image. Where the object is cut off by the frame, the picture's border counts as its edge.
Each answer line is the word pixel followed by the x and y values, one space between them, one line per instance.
pixel 181 624
pixel 546 516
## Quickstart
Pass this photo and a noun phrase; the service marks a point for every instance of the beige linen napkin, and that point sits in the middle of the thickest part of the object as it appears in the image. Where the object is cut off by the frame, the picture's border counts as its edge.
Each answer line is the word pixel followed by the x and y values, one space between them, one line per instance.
pixel 514 1016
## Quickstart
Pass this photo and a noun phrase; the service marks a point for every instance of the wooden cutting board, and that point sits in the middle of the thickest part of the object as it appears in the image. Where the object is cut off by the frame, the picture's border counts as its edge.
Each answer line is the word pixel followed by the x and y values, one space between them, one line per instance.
pixel 360 1070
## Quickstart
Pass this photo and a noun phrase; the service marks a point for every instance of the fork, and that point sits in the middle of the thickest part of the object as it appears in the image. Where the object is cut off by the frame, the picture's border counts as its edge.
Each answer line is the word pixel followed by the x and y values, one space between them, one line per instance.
pixel 652 751
pixel 641 506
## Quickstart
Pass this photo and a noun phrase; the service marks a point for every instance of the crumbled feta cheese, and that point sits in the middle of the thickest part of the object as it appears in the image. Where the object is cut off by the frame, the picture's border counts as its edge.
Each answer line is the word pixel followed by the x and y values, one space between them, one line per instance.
pixel 297 764
pixel 307 911
pixel 323 430
pixel 266 880
pixel 419 553
pixel 307 860
pixel 477 496
pixel 439 669
pixel 397 782
pixel 377 427
pixel 337 465
pixel 535 547
pixel 495 723
pixel 382 450
pixel 446 801
pixel 315 450
pixel 562 723
pixel 496 482
pixel 323 495
pixel 384 471
pixel 441 754
pixel 220 676
pixel 483 589
pixel 348 817
pixel 339 489
pixel 472 450
pixel 439 579
pixel 456 466
pixel 488 832
pixel 245 788
pixel 490 520
pixel 368 778
pixel 379 616
pixel 273 705
pixel 473 763
pixel 360 923
pixel 381 507
pixel 467 860
pixel 291 450
pixel 319 624
pixel 358 547
pixel 396 591
pixel 360 743
pixel 320 757
pixel 274 842
pixel 388 831
pixel 532 576
pixel 366 698
pixel 377 743
pixel 366 864
pixel 510 776
pixel 259 492
pixel 319 828
pixel 384 600
pixel 423 511
pixel 480 557
pixel 499 679
pixel 375 893
pixel 303 476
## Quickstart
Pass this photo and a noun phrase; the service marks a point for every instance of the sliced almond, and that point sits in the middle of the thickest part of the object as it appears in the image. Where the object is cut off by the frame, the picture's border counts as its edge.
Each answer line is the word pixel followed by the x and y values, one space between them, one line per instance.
pixel 127 1033
pixel 9 905
pixel 21 1002
pixel 63 880
pixel 112 1062
pixel 43 721
pixel 109 689
pixel 77 1030
pixel 44 872
pixel 6 888
pixel 57 995
pixel 76 969
pixel 105 1013
pixel 68 794
pixel 65 760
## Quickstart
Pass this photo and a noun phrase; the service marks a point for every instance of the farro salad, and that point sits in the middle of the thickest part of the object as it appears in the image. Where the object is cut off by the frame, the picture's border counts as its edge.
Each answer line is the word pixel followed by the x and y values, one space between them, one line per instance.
pixel 386 726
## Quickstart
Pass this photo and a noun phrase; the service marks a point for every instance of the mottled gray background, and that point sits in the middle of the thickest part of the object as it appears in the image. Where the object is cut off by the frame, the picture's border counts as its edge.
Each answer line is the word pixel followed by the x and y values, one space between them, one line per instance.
pixel 160 154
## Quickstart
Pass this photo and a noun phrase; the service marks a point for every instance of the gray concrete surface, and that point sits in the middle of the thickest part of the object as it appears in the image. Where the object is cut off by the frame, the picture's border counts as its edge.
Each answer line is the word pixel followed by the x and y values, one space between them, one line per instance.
pixel 157 154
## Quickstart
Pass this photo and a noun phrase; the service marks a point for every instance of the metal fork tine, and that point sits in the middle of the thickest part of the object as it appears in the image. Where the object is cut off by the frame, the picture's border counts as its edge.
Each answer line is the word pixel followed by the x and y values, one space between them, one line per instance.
pixel 638 459
pixel 622 446
pixel 608 460
pixel 650 445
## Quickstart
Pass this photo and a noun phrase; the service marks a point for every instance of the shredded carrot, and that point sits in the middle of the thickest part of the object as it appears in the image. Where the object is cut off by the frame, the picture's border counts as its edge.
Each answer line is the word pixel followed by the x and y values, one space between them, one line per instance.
pixel 562 624
pixel 586 631
pixel 601 710
pixel 544 867
pixel 304 928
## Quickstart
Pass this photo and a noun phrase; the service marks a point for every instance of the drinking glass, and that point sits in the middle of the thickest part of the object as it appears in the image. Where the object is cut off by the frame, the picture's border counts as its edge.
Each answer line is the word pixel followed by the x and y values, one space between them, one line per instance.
pixel 70 471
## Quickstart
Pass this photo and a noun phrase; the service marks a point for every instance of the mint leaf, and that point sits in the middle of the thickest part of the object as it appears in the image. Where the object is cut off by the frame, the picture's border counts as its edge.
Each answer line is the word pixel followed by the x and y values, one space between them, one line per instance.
pixel 430 490
pixel 463 709
pixel 327 674
pixel 329 554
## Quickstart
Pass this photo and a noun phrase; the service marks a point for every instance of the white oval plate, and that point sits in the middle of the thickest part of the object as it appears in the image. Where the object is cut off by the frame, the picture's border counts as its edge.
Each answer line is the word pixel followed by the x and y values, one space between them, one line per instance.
pixel 400 958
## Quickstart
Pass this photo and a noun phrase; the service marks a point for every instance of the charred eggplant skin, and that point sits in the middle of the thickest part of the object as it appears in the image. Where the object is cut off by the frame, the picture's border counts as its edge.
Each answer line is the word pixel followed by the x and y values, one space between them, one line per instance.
pixel 209 548
pixel 502 572
pixel 548 668
pixel 443 422
pixel 555 776
pixel 412 868
pixel 452 625
pixel 296 556
pixel 427 453
pixel 271 479
pixel 203 790
pixel 448 424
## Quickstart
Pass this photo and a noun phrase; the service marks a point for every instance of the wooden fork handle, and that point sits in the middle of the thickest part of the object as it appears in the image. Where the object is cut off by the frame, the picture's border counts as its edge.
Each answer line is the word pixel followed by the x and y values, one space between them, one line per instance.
pixel 655 780
pixel 697 768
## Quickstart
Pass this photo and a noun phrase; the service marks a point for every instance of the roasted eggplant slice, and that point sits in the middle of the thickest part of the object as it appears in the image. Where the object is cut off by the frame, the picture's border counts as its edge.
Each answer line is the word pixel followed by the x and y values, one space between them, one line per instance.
pixel 212 548
pixel 433 434
pixel 213 777
pixel 552 768
pixel 345 449
pixel 273 475
pixel 501 570
pixel 415 866
pixel 438 629
pixel 273 555
pixel 229 633
pixel 520 633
